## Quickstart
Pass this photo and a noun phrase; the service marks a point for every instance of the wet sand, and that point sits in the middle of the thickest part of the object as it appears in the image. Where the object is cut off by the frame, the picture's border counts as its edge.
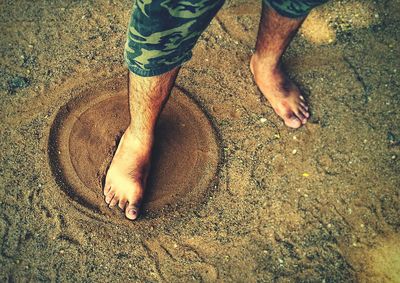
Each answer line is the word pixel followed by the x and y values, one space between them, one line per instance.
pixel 318 204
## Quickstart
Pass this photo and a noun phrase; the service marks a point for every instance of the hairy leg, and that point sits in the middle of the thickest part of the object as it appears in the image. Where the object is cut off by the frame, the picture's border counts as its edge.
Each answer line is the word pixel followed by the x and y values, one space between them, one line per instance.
pixel 274 35
pixel 126 178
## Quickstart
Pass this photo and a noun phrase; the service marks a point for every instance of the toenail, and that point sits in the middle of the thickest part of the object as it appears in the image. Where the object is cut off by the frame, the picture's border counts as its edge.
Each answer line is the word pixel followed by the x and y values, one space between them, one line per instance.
pixel 132 212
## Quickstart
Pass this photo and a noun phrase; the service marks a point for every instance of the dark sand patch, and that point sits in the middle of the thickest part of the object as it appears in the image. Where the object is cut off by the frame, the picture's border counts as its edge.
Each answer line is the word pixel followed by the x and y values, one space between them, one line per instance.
pixel 85 134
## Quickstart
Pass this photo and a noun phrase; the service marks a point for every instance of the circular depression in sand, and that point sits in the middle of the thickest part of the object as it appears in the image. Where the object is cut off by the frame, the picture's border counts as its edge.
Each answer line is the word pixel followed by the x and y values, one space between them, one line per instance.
pixel 85 134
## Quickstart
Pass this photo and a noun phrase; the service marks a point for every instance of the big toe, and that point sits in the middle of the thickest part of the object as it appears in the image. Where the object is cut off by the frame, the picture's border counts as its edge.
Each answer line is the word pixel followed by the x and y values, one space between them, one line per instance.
pixel 131 212
pixel 292 121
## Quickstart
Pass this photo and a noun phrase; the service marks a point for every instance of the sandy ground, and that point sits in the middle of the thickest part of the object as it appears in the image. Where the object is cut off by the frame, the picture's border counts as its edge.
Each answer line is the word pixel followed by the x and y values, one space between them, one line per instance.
pixel 318 204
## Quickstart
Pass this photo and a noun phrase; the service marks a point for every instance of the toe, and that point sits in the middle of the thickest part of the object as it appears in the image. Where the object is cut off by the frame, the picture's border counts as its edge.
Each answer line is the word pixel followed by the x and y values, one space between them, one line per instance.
pixel 303 105
pixel 114 201
pixel 305 112
pixel 109 196
pixel 131 211
pixel 107 188
pixel 122 203
pixel 292 121
pixel 301 117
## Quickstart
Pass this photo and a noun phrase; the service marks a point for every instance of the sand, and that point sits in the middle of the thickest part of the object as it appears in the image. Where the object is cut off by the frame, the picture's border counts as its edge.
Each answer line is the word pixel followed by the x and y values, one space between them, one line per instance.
pixel 263 202
pixel 86 132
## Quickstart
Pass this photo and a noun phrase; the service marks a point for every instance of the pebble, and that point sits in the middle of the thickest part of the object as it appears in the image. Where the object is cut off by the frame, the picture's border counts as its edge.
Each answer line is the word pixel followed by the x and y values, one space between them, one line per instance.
pixel 294 151
pixel 263 120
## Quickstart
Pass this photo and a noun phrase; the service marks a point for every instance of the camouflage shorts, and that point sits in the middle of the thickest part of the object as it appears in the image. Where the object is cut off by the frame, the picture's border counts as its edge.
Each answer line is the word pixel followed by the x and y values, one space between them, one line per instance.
pixel 162 33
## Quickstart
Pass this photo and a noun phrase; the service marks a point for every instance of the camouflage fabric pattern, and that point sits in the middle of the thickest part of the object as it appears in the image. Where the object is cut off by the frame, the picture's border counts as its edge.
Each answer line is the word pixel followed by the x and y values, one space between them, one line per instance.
pixel 162 33
pixel 294 8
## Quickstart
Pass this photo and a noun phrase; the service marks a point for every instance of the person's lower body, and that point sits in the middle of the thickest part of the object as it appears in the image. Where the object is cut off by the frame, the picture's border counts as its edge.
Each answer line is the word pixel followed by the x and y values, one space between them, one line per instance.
pixel 161 35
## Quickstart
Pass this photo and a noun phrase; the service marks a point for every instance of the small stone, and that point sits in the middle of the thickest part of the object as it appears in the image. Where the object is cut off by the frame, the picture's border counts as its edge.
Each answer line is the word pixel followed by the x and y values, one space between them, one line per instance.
pixel 280 260
pixel 393 157
pixel 263 120
pixel 294 151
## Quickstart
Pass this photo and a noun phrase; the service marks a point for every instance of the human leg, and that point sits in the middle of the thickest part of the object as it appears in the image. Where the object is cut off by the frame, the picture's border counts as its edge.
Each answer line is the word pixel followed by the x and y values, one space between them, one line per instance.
pixel 126 178
pixel 275 33
pixel 160 38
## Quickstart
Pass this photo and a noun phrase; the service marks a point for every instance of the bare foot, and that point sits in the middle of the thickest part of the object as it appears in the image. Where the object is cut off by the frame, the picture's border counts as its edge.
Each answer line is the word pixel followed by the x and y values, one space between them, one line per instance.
pixel 126 178
pixel 283 95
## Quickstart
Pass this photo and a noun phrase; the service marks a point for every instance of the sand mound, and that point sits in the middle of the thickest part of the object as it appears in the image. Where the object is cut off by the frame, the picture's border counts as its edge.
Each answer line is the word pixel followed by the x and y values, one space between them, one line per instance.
pixel 85 134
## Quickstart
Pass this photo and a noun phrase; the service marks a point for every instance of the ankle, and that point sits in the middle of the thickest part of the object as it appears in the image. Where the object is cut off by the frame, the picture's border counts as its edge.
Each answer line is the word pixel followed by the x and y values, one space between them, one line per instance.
pixel 139 137
pixel 265 63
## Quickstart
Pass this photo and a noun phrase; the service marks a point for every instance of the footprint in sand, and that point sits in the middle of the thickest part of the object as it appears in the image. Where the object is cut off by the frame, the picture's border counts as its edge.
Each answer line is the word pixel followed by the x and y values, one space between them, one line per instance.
pixel 85 134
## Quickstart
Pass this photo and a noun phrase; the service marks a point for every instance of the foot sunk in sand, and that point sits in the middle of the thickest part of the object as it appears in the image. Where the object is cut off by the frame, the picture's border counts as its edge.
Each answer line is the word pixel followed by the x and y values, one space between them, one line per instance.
pixel 126 178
